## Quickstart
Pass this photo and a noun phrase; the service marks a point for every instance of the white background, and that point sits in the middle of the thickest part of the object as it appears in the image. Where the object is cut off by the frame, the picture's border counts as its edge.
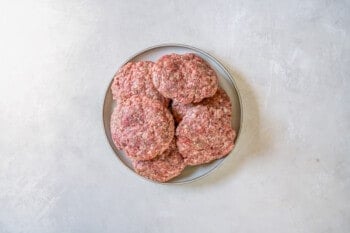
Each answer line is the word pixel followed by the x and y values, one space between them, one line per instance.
pixel 290 171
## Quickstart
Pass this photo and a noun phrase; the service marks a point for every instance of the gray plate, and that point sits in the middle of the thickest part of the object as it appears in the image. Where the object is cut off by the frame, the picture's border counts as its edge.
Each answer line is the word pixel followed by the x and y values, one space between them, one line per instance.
pixel 226 81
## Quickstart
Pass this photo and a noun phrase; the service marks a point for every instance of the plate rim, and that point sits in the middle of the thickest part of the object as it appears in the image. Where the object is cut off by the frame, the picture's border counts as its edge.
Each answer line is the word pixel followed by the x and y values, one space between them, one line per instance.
pixel 229 75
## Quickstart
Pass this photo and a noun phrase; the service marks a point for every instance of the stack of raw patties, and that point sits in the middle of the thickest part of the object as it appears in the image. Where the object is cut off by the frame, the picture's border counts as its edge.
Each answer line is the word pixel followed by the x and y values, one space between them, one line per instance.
pixel 170 114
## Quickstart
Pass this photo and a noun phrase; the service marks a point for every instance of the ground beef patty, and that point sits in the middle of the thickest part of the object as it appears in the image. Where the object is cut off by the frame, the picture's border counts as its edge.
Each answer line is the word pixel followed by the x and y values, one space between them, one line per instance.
pixel 162 168
pixel 204 134
pixel 219 101
pixel 135 78
pixel 142 127
pixel 184 78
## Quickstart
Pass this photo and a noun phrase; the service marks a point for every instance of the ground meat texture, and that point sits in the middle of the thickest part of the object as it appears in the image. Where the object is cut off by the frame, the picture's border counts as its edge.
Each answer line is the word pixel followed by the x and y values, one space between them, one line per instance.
pixel 219 101
pixel 135 78
pixel 203 135
pixel 115 131
pixel 184 78
pixel 162 168
pixel 142 127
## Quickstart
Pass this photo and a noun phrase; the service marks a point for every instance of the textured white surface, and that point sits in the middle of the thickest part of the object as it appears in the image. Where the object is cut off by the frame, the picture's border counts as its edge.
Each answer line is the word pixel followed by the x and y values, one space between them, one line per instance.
pixel 290 172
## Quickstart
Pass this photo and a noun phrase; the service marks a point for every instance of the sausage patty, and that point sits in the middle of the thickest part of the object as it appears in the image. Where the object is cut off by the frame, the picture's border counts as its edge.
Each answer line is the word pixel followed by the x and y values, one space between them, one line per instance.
pixel 204 134
pixel 135 78
pixel 184 78
pixel 142 127
pixel 162 168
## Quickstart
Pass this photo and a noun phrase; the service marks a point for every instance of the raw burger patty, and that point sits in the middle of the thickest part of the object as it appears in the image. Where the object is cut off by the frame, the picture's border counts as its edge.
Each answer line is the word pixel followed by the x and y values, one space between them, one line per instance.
pixel 184 78
pixel 219 101
pixel 135 78
pixel 163 167
pixel 203 135
pixel 142 127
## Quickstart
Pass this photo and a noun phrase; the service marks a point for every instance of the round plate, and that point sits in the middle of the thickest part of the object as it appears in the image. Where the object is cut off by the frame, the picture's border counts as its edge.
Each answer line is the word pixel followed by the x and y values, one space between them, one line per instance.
pixel 226 81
